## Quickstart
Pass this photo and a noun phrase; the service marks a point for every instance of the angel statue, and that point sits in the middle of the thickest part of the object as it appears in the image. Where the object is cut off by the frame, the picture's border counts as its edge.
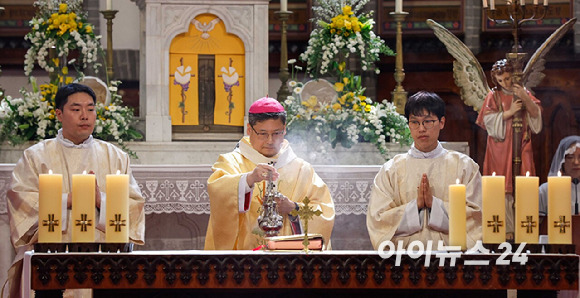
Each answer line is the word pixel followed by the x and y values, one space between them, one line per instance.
pixel 498 106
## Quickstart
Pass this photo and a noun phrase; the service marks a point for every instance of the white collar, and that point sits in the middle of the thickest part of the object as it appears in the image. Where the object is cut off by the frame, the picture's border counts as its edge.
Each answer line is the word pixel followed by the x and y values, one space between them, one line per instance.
pixel 284 157
pixel 416 153
pixel 69 144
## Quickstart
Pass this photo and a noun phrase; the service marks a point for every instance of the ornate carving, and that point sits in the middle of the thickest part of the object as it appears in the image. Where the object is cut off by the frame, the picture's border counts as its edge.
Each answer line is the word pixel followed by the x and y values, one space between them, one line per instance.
pixel 485 273
pixel 331 269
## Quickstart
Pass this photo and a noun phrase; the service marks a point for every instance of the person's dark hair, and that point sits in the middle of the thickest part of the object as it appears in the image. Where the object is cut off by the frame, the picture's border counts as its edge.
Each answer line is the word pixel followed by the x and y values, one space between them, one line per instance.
pixel 500 67
pixel 61 97
pixel 425 101
pixel 254 118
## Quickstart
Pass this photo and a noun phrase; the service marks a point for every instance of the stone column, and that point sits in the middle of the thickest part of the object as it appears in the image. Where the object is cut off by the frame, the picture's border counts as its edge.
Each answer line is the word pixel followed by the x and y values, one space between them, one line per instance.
pixel 472 18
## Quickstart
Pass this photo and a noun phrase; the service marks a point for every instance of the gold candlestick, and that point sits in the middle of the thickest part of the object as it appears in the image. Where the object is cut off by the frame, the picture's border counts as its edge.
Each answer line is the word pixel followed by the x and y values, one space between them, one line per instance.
pixel 283 92
pixel 399 94
pixel 109 16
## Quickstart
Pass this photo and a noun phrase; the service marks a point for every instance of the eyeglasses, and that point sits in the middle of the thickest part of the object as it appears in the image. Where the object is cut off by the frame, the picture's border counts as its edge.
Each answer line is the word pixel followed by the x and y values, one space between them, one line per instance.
pixel 265 136
pixel 428 124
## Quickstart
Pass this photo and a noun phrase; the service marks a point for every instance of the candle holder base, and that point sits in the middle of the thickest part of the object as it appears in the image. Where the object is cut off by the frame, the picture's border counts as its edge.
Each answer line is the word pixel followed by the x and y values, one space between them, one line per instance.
pixel 83 247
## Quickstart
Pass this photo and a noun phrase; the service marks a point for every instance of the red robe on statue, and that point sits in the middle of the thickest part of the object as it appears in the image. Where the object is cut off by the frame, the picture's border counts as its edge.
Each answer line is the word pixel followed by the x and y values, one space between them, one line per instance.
pixel 498 154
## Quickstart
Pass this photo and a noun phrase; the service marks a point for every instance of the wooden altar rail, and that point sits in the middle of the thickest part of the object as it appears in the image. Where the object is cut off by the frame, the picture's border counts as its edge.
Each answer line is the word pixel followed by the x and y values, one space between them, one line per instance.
pixel 271 270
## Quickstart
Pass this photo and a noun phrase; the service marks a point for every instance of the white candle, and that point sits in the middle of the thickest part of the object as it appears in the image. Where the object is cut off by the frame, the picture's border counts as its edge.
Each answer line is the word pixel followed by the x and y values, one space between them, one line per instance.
pixel 283 5
pixel 545 2
pixel 559 210
pixel 527 210
pixel 492 4
pixel 493 211
pixel 117 208
pixel 485 3
pixel 83 207
pixel 109 4
pixel 49 208
pixel 522 2
pixel 457 216
pixel 535 2
pixel 398 6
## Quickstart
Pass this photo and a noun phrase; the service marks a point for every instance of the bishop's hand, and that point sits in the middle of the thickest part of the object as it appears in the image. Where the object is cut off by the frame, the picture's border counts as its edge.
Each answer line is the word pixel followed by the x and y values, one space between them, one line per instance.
pixel 285 205
pixel 261 173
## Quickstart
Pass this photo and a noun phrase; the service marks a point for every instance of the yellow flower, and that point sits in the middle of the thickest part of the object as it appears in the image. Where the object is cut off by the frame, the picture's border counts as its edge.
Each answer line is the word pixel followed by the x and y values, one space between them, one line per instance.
pixel 89 29
pixel 368 108
pixel 339 22
pixel 64 70
pixel 355 107
pixel 342 99
pixel 362 97
pixel 332 31
pixel 341 66
pixel 346 80
pixel 68 80
pixel 51 116
pixel 363 103
pixel 348 25
pixel 338 86
pixel 311 103
pixel 336 107
pixel 62 8
pixel 347 10
pixel 56 61
pixel 63 18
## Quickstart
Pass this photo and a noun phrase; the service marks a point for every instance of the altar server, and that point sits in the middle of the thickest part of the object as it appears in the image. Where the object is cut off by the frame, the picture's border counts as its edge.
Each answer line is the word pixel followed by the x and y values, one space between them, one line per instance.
pixel 236 185
pixel 409 199
pixel 72 151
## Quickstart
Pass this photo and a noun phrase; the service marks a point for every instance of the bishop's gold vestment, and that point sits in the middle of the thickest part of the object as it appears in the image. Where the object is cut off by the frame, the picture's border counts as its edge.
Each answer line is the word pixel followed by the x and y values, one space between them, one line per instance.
pixel 230 229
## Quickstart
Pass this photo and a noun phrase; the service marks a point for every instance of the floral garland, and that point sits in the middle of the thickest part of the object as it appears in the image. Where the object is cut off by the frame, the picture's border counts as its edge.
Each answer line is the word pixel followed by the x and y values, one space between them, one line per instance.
pixel 351 117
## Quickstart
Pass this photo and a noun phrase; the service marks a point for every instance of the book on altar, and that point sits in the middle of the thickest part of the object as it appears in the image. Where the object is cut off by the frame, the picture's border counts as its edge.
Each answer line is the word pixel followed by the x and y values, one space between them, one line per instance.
pixel 294 242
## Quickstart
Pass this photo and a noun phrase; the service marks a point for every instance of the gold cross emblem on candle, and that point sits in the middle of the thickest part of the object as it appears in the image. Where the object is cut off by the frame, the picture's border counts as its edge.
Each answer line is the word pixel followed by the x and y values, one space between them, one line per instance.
pixel 50 222
pixel 562 224
pixel 117 223
pixel 84 222
pixel 495 223
pixel 529 224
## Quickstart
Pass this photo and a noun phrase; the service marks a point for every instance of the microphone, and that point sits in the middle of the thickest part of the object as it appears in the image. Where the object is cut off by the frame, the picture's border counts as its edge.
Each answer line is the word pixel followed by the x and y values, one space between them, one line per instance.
pixel 576 181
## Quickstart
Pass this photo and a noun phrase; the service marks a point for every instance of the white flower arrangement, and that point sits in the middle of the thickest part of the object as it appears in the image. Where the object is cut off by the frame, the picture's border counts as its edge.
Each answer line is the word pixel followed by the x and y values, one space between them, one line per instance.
pixel 351 117
pixel 341 34
pixel 60 25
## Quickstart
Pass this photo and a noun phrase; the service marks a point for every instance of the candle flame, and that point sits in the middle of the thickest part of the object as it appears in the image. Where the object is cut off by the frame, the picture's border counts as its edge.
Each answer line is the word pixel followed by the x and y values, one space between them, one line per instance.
pixel 559 174
pixel 84 172
pixel 118 172
pixel 50 172
pixel 528 174
pixel 493 174
pixel 457 181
